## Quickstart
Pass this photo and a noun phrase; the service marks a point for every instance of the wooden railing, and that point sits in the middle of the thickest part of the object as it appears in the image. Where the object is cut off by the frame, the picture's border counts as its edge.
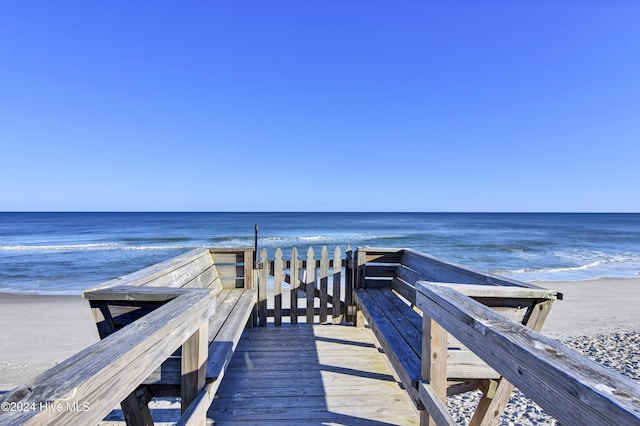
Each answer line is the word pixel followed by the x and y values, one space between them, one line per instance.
pixel 86 387
pixel 305 287
pixel 567 385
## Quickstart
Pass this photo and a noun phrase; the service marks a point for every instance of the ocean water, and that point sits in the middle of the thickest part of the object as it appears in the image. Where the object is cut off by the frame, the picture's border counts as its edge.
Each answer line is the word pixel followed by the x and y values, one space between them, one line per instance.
pixel 64 253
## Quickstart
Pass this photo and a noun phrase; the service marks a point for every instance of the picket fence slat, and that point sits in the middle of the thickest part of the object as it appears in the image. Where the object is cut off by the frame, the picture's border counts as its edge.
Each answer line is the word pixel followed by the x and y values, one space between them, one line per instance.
pixel 322 283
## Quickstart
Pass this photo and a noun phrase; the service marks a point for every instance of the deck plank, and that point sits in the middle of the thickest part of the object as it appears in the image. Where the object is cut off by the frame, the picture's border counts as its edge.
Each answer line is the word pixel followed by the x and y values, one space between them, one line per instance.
pixel 324 373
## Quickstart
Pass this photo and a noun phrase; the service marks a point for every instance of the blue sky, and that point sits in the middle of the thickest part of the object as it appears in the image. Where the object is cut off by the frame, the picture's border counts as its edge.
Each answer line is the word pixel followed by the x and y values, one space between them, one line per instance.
pixel 320 105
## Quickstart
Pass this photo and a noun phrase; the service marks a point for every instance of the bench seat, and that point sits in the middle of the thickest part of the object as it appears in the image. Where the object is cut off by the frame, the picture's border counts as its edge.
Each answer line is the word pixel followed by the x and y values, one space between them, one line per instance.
pixel 233 309
pixel 398 330
pixel 385 296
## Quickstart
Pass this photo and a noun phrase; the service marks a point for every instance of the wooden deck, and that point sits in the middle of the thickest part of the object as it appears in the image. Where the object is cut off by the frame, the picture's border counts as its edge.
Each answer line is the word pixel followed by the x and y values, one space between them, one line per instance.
pixel 310 375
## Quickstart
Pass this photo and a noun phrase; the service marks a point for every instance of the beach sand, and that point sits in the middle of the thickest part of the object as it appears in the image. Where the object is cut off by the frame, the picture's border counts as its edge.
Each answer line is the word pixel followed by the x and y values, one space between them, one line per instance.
pixel 593 307
pixel 599 318
pixel 40 331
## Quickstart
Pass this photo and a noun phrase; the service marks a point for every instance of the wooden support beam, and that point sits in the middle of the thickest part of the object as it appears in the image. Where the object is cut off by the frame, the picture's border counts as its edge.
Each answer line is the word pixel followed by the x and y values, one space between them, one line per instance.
pixel 494 400
pixel 433 367
pixel 135 408
pixel 194 365
pixel 436 410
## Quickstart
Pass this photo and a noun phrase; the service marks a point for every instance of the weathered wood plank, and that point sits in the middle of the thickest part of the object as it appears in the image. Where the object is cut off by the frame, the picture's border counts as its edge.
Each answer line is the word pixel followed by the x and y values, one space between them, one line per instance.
pixel 440 271
pixel 225 302
pixel 436 409
pixel 408 324
pixel 401 356
pixel 194 365
pixel 232 256
pixel 324 386
pixel 404 289
pixel 135 408
pixel 310 285
pixel 139 293
pixel 248 271
pixel 278 277
pixel 381 271
pixel 349 285
pixel 381 254
pixel 491 406
pixel 158 273
pixel 494 291
pixel 295 283
pixel 262 288
pixel 337 280
pixel 567 385
pixel 433 372
pixel 226 341
pixel 324 284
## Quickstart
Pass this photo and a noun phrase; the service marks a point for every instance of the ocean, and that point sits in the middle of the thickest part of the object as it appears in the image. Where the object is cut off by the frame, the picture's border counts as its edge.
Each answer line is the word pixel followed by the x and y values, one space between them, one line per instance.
pixel 65 253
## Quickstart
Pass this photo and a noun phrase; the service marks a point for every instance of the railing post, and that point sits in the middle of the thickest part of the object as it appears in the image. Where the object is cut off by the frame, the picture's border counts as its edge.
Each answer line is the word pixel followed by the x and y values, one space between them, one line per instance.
pixel 349 308
pixel 434 363
pixel 194 365
pixel 360 271
pixel 250 281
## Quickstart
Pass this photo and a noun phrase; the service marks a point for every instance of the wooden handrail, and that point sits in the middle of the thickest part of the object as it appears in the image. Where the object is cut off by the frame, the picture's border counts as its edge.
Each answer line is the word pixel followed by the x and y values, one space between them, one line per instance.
pixel 84 388
pixel 566 384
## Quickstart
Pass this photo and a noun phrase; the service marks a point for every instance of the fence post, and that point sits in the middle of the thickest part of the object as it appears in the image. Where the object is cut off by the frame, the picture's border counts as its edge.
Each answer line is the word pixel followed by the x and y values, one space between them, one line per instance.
pixel 294 269
pixel 324 284
pixel 349 313
pixel 278 277
pixel 262 288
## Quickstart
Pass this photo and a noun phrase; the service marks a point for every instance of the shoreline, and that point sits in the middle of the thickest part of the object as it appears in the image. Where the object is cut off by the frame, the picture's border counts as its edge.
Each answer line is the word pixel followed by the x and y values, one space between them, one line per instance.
pixel 40 330
pixel 592 307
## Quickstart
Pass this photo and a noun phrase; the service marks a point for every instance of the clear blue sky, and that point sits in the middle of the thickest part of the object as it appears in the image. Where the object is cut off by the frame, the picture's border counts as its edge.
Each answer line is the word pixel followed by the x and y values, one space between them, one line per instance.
pixel 320 105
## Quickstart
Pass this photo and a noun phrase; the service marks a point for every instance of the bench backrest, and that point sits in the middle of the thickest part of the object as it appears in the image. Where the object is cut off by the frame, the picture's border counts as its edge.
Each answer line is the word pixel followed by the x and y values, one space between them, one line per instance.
pixel 214 269
pixel 198 268
pixel 400 269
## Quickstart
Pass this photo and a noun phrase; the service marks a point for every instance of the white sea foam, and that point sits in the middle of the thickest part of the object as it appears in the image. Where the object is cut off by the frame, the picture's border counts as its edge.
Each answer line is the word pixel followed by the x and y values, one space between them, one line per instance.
pixel 87 247
pixel 582 266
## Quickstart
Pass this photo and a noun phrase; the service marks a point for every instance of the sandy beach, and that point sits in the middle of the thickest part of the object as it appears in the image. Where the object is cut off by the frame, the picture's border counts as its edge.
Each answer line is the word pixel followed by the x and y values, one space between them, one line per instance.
pixel 40 331
pixel 593 307
pixel 595 317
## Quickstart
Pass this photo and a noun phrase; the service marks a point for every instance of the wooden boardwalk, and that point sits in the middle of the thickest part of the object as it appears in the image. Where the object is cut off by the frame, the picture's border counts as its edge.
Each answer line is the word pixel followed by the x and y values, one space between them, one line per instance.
pixel 310 375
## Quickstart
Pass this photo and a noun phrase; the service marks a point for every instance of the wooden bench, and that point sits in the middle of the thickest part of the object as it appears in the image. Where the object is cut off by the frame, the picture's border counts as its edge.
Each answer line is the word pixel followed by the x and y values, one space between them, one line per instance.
pixel 228 273
pixel 385 296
